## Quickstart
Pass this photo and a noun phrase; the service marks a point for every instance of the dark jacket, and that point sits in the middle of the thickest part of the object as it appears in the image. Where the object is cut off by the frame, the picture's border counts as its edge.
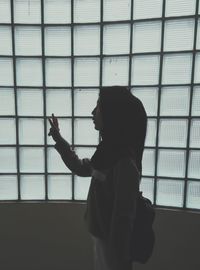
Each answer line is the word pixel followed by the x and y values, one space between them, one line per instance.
pixel 111 200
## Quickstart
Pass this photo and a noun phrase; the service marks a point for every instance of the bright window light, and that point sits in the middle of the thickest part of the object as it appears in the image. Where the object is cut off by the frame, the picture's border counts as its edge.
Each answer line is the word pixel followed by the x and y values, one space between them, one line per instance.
pixel 54 56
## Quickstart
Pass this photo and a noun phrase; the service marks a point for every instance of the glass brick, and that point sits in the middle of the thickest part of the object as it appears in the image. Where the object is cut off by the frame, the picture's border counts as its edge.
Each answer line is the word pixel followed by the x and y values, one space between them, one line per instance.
pixel 197 68
pixel 8 159
pixel 5 11
pixel 32 187
pixel 173 132
pixel 85 101
pixel 171 163
pixel 115 71
pixel 7 101
pixel 143 9
pixel 195 133
pixel 6 71
pixel 81 187
pixel 60 187
pixel 8 187
pixel 146 36
pixel 55 164
pixel 149 98
pixel 179 7
pixel 58 72
pixel 198 35
pixel 170 192
pixel 85 132
pixel 151 132
pixel 59 102
pixel 86 11
pixel 196 101
pixel 57 11
pixel 28 40
pixel 85 152
pixel 31 159
pixel 6 37
pixel 179 35
pixel 175 101
pixel 29 72
pixel 58 41
pixel 147 187
pixel 116 39
pixel 65 126
pixel 148 162
pixel 87 40
pixel 31 131
pixel 86 71
pixel 30 102
pixel 7 131
pixel 193 195
pixel 27 11
pixel 193 165
pixel 177 68
pixel 116 10
pixel 145 70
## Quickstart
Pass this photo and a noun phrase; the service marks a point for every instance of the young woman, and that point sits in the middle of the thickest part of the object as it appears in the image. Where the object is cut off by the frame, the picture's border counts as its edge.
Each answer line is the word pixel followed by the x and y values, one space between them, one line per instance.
pixel 115 168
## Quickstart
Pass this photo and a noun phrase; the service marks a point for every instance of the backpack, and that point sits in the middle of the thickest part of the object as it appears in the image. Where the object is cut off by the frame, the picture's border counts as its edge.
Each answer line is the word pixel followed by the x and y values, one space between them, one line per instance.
pixel 143 236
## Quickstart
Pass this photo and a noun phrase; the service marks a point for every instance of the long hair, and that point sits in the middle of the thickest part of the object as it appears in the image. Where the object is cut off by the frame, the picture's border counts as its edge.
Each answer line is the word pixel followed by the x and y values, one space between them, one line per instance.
pixel 124 127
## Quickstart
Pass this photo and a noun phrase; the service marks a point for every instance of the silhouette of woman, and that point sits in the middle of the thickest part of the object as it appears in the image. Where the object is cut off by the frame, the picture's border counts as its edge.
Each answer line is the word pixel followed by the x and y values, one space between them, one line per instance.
pixel 116 168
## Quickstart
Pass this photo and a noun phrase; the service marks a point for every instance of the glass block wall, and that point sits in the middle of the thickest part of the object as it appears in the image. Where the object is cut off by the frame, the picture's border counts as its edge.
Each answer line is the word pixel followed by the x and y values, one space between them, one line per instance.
pixel 54 55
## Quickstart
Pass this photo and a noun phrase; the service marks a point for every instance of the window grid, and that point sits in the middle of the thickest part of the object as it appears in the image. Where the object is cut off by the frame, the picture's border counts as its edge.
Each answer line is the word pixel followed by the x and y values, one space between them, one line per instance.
pixel 190 106
pixel 15 93
pixel 163 19
pixel 72 78
pixel 159 96
pixel 44 99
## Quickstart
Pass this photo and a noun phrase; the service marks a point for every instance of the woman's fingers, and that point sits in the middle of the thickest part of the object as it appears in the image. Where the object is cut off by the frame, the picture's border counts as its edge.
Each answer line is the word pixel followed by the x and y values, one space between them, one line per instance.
pixel 54 130
pixel 50 132
pixel 51 123
pixel 54 124
pixel 55 120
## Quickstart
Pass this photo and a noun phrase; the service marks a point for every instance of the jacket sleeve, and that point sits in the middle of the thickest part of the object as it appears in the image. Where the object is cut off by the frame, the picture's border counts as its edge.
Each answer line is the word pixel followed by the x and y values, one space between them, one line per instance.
pixel 126 188
pixel 80 167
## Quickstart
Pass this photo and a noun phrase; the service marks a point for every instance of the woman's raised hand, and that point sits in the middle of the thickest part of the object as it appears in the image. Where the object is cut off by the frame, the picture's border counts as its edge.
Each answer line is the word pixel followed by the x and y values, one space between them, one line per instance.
pixel 54 130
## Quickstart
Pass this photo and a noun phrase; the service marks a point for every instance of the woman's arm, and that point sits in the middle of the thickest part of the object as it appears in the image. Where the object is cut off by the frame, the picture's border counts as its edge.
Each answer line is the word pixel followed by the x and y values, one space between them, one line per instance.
pixel 81 167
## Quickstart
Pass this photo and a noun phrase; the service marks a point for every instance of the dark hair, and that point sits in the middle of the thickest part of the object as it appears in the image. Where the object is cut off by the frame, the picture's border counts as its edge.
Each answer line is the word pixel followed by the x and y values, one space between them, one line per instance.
pixel 124 127
pixel 124 120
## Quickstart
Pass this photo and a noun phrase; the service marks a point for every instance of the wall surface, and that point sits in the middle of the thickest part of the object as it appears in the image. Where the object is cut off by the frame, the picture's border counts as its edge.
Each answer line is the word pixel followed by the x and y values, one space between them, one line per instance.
pixel 53 236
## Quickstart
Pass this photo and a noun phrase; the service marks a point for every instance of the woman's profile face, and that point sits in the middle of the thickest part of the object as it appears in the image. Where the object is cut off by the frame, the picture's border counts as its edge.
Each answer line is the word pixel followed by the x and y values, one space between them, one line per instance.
pixel 97 117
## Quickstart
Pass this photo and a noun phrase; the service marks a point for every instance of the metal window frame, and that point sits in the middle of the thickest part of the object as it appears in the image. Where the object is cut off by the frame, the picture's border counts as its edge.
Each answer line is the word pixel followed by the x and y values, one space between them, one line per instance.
pixel 101 56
